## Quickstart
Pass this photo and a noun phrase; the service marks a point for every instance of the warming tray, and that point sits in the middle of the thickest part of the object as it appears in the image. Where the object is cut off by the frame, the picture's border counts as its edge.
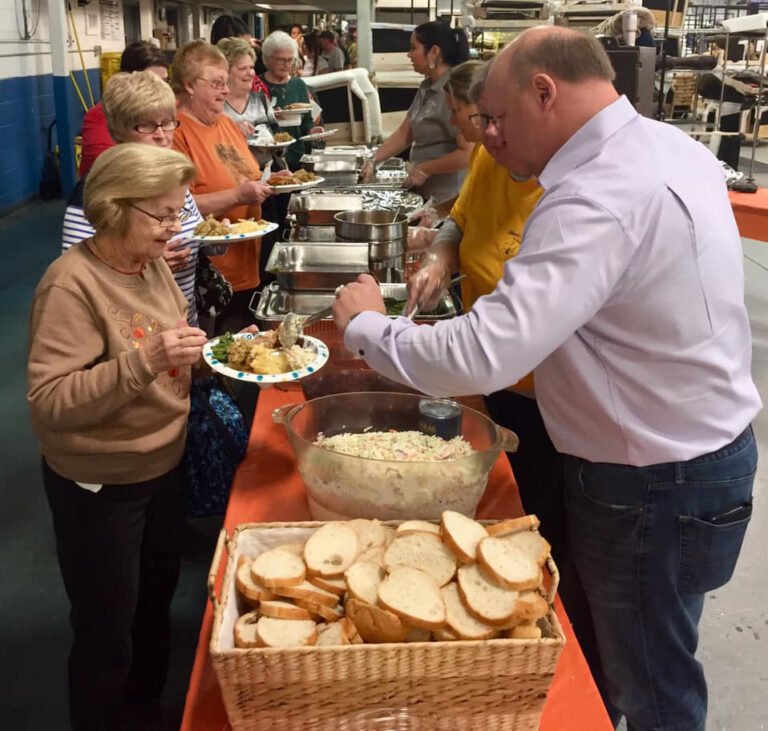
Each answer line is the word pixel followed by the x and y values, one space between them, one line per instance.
pixel 318 209
pixel 382 196
pixel 317 266
pixel 271 305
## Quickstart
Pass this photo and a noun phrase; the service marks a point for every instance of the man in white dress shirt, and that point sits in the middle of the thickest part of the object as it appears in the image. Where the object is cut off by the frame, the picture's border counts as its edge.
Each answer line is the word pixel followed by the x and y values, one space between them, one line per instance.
pixel 627 299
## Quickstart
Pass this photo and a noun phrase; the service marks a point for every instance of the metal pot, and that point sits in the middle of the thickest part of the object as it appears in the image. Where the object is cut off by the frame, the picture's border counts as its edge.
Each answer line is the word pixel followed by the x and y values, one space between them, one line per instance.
pixel 373 226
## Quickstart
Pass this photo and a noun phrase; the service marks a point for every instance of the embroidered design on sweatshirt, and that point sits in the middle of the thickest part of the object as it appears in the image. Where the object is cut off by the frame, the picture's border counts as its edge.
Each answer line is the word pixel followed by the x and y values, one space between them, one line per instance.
pixel 134 326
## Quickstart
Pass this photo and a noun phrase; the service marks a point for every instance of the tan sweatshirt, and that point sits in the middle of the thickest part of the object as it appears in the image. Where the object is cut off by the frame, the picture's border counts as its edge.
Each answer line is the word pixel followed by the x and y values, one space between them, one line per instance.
pixel 100 414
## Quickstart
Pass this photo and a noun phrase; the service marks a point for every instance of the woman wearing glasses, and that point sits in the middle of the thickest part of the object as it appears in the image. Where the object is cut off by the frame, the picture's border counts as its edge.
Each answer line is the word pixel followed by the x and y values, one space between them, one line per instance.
pixel 139 107
pixel 110 352
pixel 227 182
pixel 483 231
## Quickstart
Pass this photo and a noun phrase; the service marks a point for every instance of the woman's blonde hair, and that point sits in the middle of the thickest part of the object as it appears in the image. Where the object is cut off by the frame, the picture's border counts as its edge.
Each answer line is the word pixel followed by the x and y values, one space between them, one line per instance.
pixel 234 49
pixel 189 62
pixel 128 173
pixel 460 80
pixel 133 98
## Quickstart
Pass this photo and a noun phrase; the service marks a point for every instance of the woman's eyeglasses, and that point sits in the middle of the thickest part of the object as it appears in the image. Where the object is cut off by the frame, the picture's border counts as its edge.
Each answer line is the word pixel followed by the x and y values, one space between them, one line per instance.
pixel 148 128
pixel 169 220
pixel 283 61
pixel 483 121
pixel 216 85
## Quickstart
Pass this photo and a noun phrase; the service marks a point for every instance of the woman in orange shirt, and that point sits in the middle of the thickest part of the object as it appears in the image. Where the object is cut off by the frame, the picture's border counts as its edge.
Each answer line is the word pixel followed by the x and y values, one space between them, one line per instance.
pixel 227 183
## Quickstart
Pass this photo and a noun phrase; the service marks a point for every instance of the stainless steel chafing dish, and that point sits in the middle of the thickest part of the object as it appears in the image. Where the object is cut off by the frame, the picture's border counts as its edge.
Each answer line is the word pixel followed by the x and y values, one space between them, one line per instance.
pixel 382 196
pixel 317 266
pixel 270 306
pixel 318 209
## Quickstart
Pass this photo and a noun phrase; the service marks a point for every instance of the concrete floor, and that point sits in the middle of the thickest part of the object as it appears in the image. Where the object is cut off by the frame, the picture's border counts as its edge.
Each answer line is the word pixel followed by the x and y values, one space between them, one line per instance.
pixel 33 607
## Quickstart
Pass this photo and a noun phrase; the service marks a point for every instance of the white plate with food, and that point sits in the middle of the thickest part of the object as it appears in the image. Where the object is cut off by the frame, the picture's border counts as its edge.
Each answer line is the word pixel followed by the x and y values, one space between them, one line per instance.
pixel 211 231
pixel 296 181
pixel 296 108
pixel 324 135
pixel 255 142
pixel 259 358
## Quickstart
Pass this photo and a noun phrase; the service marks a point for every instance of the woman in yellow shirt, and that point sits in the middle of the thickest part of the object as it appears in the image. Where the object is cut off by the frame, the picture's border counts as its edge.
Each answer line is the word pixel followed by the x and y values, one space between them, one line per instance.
pixel 484 230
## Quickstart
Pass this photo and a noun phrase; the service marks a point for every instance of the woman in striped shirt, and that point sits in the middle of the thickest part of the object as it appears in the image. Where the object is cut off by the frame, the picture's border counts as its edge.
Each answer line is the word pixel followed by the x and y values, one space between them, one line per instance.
pixel 141 108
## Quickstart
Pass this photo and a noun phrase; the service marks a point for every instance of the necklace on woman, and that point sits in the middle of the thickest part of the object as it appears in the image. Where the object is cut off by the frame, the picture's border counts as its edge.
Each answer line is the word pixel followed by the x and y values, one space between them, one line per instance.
pixel 91 245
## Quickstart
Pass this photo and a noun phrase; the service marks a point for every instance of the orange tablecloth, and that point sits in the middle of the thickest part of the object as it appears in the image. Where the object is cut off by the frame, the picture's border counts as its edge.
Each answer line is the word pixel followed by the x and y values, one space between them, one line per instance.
pixel 751 211
pixel 268 488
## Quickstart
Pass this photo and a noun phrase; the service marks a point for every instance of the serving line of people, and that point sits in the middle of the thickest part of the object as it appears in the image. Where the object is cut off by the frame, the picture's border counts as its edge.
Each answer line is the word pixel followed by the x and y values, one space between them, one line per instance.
pixel 627 300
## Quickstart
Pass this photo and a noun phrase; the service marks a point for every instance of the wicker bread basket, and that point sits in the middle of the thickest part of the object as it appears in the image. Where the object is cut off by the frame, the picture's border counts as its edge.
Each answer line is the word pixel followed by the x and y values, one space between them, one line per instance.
pixel 426 686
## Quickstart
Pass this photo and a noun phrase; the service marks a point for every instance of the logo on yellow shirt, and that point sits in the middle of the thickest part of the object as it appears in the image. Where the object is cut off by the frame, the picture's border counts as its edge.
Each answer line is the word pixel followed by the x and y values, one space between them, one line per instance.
pixel 511 243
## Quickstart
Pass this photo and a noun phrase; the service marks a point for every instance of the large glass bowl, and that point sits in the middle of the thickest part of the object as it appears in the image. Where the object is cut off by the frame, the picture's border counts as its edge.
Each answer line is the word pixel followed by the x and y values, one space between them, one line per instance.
pixel 340 486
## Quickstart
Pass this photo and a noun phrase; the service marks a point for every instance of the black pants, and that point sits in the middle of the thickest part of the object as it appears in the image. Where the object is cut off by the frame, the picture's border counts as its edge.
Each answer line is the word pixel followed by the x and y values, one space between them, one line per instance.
pixel 537 465
pixel 118 551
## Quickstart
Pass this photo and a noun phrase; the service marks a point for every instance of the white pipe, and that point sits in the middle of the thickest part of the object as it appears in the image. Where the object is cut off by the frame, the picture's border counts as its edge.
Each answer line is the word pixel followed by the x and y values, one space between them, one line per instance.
pixel 364 35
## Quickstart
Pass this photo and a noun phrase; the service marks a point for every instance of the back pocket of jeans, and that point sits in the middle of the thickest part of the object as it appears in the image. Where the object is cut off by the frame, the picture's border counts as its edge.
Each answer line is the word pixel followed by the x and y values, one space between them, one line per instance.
pixel 709 551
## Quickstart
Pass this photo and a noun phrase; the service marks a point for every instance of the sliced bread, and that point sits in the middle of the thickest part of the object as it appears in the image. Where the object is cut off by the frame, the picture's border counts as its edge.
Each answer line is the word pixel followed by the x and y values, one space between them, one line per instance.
pixel 417 526
pixel 309 592
pixel 417 634
pixel 373 555
pixel 363 579
pixel 444 635
pixel 336 586
pixel 297 549
pixel 376 624
pixel 389 534
pixel 282 609
pixel 249 588
pixel 421 551
pixel 513 525
pixel 333 634
pixel 414 596
pixel 277 568
pixel 532 543
pixel 525 631
pixel 461 534
pixel 370 533
pixel 459 621
pixel 331 550
pixel 271 632
pixel 508 565
pixel 484 599
pixel 320 611
pixel 245 630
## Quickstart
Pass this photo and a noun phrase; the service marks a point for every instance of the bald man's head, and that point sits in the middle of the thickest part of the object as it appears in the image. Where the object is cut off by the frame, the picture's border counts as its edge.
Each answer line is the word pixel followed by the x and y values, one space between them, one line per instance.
pixel 563 53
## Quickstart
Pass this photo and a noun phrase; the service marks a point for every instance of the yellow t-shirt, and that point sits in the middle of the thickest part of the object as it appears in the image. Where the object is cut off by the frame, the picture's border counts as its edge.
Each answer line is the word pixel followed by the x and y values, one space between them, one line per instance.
pixel 491 211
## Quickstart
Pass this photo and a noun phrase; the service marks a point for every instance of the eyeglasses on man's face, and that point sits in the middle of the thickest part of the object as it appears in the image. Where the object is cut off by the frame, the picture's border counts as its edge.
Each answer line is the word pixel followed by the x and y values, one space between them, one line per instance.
pixel 284 61
pixel 216 85
pixel 148 128
pixel 168 220
pixel 484 121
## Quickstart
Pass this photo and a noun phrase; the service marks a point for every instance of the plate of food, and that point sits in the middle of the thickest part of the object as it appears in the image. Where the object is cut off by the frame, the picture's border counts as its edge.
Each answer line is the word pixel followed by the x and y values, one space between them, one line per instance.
pixel 213 231
pixel 276 142
pixel 324 135
pixel 259 357
pixel 295 181
pixel 297 107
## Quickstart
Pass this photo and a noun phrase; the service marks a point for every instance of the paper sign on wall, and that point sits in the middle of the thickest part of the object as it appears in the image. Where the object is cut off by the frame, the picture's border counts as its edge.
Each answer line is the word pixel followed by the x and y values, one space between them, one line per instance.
pixel 111 22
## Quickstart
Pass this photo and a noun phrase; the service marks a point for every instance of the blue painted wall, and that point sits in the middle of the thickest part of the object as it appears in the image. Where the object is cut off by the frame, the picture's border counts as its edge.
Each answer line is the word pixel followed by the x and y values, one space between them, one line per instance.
pixel 26 110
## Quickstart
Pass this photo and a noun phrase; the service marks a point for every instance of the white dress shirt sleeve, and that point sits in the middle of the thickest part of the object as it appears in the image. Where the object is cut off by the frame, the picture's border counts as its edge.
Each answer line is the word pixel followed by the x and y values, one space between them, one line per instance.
pixel 562 276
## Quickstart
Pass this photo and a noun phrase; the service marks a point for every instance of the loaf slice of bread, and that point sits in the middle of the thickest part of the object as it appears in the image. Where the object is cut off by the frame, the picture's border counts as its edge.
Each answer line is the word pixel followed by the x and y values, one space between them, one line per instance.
pixel 271 632
pixel 249 588
pixel 513 525
pixel 459 621
pixel 331 550
pixel 484 599
pixel 281 609
pixel 414 596
pixel 335 586
pixel 373 555
pixel 417 526
pixel 417 634
pixel 531 606
pixel 532 543
pixel 363 579
pixel 245 630
pixel 277 568
pixel 376 624
pixel 309 592
pixel 425 552
pixel 508 565
pixel 320 611
pixel 351 630
pixel 444 634
pixel 297 549
pixel 370 533
pixel 525 631
pixel 389 535
pixel 462 534
pixel 333 634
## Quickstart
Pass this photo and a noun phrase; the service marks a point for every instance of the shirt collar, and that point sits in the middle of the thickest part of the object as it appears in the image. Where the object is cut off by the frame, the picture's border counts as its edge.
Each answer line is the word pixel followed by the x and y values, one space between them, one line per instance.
pixel 587 141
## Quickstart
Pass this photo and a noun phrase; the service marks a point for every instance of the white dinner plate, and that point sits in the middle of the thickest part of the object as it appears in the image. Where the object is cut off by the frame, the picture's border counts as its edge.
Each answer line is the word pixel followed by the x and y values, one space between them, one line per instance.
pixel 324 135
pixel 301 186
pixel 302 110
pixel 321 358
pixel 271 146
pixel 269 228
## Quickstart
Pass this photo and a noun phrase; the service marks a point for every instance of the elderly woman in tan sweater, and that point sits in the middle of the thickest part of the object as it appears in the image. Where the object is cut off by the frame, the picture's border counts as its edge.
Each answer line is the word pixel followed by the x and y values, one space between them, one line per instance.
pixel 109 374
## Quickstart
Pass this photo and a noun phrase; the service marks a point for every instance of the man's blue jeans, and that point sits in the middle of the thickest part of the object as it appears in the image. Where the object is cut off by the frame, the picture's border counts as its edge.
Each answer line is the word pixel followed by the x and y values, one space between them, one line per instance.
pixel 646 543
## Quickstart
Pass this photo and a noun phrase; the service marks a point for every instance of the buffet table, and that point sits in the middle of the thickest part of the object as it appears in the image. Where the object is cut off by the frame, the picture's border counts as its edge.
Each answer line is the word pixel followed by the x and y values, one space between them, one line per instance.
pixel 268 488
pixel 751 212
